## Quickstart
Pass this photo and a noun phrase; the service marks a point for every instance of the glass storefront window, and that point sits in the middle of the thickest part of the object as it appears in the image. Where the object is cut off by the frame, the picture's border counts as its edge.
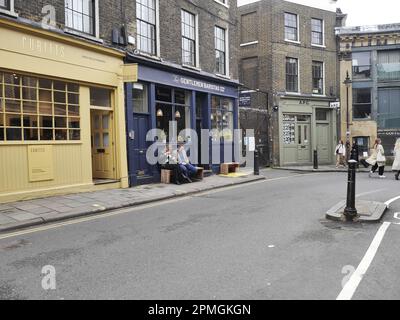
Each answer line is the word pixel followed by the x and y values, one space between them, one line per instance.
pixel 361 65
pixel 166 111
pixel 34 109
pixel 100 97
pixel 222 118
pixel 140 98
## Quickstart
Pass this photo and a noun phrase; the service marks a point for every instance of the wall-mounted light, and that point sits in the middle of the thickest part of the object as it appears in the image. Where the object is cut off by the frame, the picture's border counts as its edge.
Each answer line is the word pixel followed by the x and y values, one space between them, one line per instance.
pixel 212 117
pixel 177 115
pixel 160 113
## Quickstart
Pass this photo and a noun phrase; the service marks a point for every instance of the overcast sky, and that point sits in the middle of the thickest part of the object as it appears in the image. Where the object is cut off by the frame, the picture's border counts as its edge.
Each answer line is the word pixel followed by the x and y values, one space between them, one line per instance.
pixel 360 12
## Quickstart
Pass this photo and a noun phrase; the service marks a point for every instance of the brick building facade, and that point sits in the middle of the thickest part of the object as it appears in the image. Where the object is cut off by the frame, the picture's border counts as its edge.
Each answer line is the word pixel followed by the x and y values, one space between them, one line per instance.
pixel 294 49
pixel 186 57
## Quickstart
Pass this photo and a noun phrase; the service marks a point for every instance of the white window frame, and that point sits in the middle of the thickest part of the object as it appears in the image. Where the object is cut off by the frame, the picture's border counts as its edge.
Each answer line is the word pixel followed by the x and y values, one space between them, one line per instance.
pixel 157 56
pixel 298 78
pixel 197 48
pixel 96 36
pixel 226 5
pixel 323 80
pixel 323 35
pixel 10 12
pixel 298 28
pixel 227 54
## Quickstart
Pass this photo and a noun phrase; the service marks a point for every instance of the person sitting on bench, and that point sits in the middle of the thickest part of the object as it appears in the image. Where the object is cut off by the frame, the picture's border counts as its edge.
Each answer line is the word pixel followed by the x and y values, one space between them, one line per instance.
pixel 188 170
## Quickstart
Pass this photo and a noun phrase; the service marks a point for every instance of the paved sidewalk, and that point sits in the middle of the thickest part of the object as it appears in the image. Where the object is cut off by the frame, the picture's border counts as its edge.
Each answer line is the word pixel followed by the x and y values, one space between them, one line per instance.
pixel 23 214
pixel 323 168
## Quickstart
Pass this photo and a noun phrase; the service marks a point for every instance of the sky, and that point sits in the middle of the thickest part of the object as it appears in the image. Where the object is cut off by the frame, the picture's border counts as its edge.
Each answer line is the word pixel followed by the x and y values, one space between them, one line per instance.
pixel 360 12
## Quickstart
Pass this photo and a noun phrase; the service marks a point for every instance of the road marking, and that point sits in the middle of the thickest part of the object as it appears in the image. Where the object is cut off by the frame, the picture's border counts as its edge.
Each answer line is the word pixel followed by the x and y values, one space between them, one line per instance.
pixel 131 209
pixel 368 193
pixel 397 217
pixel 388 203
pixel 352 285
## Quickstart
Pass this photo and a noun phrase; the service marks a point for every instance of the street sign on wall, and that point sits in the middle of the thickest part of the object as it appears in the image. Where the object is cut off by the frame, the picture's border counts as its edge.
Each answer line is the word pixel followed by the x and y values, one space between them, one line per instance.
pixel 245 100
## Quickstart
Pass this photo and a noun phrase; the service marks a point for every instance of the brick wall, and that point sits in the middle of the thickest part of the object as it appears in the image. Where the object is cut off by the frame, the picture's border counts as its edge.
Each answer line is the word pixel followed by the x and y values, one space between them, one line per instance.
pixel 114 14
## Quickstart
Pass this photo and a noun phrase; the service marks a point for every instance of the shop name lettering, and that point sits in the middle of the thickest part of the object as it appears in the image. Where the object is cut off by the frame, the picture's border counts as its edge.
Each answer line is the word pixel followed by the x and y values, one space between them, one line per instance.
pixel 199 84
pixel 43 47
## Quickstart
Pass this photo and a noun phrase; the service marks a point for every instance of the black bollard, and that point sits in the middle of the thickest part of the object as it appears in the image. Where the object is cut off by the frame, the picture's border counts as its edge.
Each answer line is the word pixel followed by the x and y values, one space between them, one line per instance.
pixel 350 211
pixel 315 159
pixel 256 163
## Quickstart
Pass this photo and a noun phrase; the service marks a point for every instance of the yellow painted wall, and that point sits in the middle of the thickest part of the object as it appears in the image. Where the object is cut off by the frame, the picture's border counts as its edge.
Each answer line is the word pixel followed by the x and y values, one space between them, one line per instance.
pixel 22 50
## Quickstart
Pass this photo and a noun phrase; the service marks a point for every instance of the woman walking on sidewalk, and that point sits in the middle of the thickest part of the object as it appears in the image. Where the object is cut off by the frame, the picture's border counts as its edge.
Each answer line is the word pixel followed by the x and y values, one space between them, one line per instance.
pixel 377 159
pixel 396 163
pixel 340 152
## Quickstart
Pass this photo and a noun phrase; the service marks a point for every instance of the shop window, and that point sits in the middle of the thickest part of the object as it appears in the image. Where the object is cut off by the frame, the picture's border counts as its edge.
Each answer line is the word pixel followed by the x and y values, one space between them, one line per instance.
pixel 321 115
pixel 361 65
pixel 363 144
pixel 140 98
pixel 167 111
pixel 222 119
pixel 100 97
pixel 362 104
pixel 33 109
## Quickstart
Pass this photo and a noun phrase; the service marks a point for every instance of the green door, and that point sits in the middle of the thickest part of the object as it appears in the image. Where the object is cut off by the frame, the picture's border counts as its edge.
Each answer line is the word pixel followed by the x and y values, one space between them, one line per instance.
pixel 304 142
pixel 323 143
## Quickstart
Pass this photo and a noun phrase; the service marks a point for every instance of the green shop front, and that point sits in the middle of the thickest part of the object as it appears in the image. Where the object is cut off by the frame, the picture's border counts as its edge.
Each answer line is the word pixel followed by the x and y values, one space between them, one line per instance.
pixel 306 125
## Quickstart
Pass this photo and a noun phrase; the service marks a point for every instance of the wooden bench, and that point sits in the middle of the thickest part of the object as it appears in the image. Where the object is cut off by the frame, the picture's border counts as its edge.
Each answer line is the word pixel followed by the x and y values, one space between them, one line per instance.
pixel 227 168
pixel 167 176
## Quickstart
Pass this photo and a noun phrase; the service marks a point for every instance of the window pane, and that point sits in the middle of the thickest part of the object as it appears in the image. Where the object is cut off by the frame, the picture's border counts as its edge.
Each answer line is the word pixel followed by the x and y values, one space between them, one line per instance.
pixel 14 134
pixel 140 99
pixel 73 110
pixel 12 78
pixel 30 121
pixel 31 134
pixel 60 109
pixel 60 122
pixel 100 97
pixel 46 134
pixel 59 97
pixel 29 93
pixel 74 123
pixel 46 122
pixel 45 108
pixel 163 94
pixel 13 106
pixel 73 98
pixel 12 92
pixel 13 120
pixel 61 134
pixel 74 135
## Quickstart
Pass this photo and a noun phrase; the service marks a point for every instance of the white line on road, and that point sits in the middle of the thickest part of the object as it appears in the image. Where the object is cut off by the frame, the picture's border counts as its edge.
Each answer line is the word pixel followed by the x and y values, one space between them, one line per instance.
pixel 352 285
pixel 368 193
pixel 388 203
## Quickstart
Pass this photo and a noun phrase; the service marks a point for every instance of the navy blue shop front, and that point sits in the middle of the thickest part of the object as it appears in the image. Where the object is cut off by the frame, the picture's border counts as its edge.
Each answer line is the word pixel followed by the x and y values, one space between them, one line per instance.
pixel 171 94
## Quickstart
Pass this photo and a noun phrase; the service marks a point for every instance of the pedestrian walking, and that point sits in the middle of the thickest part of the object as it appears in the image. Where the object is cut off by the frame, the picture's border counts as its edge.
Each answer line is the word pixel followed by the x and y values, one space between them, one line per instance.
pixel 340 152
pixel 396 163
pixel 377 159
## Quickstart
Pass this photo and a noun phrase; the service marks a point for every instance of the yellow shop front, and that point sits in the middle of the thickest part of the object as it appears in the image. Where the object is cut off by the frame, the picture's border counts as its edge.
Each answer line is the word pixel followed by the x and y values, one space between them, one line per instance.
pixel 62 122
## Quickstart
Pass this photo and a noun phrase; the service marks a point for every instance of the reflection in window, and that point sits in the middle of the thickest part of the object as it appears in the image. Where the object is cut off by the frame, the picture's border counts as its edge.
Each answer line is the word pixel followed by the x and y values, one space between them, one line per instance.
pixel 35 109
pixel 362 103
pixel 361 65
pixel 222 119
pixel 140 98
pixel 100 97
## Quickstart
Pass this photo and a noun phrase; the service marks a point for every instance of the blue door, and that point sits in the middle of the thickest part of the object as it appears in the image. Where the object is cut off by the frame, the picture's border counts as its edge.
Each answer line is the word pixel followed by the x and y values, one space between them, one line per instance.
pixel 142 170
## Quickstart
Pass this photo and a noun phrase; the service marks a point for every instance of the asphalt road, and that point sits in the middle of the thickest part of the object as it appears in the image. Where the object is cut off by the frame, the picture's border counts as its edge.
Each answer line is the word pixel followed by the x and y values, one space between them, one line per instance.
pixel 266 240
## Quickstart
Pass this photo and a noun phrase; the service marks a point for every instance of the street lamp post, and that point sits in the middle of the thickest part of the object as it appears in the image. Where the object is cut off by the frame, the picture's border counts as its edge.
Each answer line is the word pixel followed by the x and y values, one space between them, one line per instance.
pixel 348 83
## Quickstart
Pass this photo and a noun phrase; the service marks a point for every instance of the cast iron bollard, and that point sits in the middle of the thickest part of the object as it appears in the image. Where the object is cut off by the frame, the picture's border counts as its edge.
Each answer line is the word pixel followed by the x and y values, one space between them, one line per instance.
pixel 256 163
pixel 351 212
pixel 315 159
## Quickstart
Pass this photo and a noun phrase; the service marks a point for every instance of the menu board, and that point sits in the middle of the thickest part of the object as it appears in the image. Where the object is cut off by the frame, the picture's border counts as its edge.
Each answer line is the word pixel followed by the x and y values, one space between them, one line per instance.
pixel 289 129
